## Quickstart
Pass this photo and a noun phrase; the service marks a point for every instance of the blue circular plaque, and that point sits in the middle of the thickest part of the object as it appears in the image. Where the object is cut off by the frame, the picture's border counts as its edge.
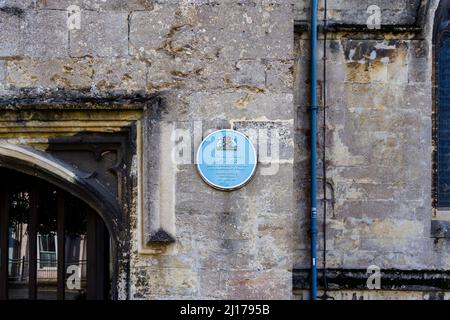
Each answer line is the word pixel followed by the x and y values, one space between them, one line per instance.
pixel 226 159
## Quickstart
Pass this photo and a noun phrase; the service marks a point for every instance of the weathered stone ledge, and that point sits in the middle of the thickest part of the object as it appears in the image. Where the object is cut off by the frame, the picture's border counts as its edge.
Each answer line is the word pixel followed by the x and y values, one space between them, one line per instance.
pixel 65 98
pixel 333 26
pixel 392 279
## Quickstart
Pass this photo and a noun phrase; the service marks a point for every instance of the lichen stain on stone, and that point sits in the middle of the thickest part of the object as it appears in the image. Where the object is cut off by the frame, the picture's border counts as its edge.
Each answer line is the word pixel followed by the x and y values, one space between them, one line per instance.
pixel 60 81
pixel 146 4
pixel 154 87
pixel 367 60
pixel 169 46
pixel 242 103
pixel 13 11
pixel 184 74
pixel 363 50
pixel 67 69
pixel 357 72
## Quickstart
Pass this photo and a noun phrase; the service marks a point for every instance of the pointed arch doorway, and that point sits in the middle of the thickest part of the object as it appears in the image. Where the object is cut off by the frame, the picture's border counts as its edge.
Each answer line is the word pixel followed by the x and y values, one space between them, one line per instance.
pixel 53 244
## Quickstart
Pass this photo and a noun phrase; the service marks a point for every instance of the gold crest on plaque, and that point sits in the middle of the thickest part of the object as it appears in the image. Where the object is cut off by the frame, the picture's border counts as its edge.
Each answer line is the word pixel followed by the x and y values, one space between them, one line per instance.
pixel 226 143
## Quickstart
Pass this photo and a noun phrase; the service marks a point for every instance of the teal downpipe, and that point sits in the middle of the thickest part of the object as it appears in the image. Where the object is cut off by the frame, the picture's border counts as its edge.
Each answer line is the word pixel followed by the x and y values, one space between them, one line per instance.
pixel 313 149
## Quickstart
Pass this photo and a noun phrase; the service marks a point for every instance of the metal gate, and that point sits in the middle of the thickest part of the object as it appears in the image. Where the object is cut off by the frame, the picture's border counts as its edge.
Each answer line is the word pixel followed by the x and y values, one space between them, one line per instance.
pixel 53 245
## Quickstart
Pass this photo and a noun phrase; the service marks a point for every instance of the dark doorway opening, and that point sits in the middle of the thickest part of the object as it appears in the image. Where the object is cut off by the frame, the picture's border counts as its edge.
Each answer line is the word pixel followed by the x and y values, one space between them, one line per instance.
pixel 53 245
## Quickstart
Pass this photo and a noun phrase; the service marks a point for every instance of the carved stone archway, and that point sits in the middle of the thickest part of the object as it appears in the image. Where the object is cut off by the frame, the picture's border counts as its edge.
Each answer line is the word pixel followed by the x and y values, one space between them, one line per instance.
pixel 44 166
pixel 87 147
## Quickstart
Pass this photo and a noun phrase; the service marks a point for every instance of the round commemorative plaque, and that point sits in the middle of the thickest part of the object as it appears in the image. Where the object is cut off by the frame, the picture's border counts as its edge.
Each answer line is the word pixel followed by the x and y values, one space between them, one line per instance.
pixel 226 160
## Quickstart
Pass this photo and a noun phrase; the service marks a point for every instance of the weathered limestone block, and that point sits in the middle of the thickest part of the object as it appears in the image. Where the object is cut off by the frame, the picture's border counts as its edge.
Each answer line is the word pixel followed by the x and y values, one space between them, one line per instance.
pixel 419 63
pixel 169 283
pixel 212 285
pixel 378 96
pixel 106 74
pixel 376 61
pixel 19 4
pixel 190 74
pixel 228 105
pixel 97 5
pixel 186 48
pixel 149 29
pixel 10 26
pixel 271 284
pixel 243 23
pixel 250 72
pixel 2 71
pixel 119 74
pixel 355 11
pixel 272 139
pixel 45 34
pixel 227 254
pixel 235 231
pixel 222 31
pixel 54 73
pixel 194 195
pixel 369 191
pixel 101 34
pixel 243 284
pixel 279 75
pixel 396 244
pixel 382 209
pixel 181 260
pixel 274 247
pixel 380 151
pixel 394 228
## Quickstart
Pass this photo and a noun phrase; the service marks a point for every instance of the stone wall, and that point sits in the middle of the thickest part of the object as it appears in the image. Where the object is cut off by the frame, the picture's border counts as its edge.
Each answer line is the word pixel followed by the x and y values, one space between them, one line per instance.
pixel 378 144
pixel 232 64
pixel 355 11
pixel 223 64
